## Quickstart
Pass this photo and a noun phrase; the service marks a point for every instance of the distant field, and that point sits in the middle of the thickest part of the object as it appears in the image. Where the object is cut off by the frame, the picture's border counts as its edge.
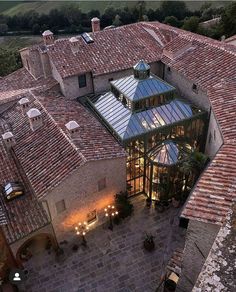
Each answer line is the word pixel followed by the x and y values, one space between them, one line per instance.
pixel 13 7
pixel 18 42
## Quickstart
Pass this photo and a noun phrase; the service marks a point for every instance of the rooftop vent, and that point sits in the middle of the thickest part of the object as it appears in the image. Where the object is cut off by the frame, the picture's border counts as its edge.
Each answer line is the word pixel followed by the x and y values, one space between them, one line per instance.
pixel 9 139
pixel 87 38
pixel 35 118
pixel 24 104
pixel 72 128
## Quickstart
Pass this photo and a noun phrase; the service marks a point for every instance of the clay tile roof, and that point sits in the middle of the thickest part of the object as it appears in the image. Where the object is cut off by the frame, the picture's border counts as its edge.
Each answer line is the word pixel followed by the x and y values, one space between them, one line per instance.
pixel 22 215
pixel 112 50
pixel 59 157
pixel 15 85
pixel 94 142
pixel 216 189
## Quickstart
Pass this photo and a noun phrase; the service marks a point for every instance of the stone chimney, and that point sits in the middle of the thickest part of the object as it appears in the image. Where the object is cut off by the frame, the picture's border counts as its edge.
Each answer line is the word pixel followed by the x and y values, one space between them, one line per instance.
pixel 48 37
pixel 24 105
pixel 72 129
pixel 95 24
pixel 9 139
pixel 35 118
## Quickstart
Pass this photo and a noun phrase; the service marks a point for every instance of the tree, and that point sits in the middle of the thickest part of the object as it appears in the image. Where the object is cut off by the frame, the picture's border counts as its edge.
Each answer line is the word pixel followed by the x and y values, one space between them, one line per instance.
pixel 36 28
pixel 174 8
pixel 172 20
pixel 193 166
pixel 191 24
pixel 3 28
pixel 9 61
pixel 228 20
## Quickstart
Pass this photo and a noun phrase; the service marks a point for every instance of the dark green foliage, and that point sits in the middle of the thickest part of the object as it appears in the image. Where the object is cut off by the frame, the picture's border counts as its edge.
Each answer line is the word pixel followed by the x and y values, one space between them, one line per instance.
pixel 228 20
pixel 174 8
pixel 9 61
pixel 173 21
pixel 191 24
pixel 123 205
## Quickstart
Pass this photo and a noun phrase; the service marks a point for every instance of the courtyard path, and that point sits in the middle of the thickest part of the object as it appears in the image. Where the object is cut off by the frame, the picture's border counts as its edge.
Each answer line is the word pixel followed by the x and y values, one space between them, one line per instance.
pixel 114 261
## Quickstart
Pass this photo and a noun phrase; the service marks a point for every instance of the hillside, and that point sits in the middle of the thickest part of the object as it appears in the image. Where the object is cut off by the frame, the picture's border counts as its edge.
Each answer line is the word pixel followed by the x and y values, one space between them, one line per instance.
pixel 14 7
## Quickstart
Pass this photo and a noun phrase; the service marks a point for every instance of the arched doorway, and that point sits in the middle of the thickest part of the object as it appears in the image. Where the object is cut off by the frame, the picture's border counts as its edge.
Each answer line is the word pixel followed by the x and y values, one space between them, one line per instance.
pixel 35 245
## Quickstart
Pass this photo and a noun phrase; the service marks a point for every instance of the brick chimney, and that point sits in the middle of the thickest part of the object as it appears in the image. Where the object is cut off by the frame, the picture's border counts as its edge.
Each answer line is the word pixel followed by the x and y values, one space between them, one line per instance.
pixel 35 118
pixel 74 44
pixel 72 129
pixel 9 139
pixel 48 37
pixel 95 24
pixel 24 105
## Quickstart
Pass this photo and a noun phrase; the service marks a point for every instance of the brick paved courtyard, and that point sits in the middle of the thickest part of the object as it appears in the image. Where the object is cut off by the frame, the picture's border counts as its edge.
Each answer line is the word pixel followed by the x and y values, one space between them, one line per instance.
pixel 114 261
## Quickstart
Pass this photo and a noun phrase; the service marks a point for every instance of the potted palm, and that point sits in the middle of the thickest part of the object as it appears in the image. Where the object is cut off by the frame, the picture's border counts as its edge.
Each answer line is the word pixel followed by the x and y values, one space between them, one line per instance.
pixel 148 242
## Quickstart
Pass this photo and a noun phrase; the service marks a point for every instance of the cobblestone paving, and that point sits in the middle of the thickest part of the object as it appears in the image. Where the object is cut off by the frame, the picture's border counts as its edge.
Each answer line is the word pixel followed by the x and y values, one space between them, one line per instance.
pixel 113 261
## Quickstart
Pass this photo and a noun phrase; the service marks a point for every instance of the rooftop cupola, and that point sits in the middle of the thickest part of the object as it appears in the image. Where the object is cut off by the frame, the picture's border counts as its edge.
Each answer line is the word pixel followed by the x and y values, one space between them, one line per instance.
pixel 48 37
pixel 141 70
pixel 24 104
pixel 9 139
pixel 95 24
pixel 72 128
pixel 35 118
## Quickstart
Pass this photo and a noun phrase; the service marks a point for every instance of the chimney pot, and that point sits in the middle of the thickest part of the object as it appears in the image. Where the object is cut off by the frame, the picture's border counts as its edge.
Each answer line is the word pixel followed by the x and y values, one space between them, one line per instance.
pixel 72 128
pixel 48 37
pixel 9 139
pixel 35 118
pixel 95 24
pixel 24 104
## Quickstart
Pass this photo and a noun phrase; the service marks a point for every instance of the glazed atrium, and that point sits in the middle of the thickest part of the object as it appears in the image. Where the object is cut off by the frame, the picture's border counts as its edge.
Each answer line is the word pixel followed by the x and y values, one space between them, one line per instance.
pixel 156 127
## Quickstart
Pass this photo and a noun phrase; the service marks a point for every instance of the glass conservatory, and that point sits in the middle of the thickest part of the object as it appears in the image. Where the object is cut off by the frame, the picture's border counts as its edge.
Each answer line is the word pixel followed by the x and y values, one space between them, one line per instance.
pixel 155 126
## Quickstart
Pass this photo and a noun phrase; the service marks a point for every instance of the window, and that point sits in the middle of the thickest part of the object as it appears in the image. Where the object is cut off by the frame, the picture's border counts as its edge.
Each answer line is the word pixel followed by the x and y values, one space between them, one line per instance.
pixel 110 79
pixel 101 184
pixel 168 69
pixel 194 87
pixel 60 206
pixel 92 216
pixel 214 134
pixel 82 81
pixel 209 139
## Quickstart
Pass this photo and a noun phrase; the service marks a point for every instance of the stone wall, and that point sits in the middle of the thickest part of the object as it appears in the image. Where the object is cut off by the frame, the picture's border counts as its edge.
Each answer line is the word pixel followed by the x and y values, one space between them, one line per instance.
pixel 47 70
pixel 199 240
pixel 81 195
pixel 101 83
pixel 18 244
pixel 214 137
pixel 184 88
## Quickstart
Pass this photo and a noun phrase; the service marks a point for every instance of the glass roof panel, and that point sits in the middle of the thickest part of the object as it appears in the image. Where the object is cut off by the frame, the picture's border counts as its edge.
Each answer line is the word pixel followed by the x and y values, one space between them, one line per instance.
pixel 128 124
pixel 136 89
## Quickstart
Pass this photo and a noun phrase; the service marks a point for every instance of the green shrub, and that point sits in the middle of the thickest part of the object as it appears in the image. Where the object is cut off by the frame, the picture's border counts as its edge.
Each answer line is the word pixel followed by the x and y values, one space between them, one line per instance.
pixel 123 205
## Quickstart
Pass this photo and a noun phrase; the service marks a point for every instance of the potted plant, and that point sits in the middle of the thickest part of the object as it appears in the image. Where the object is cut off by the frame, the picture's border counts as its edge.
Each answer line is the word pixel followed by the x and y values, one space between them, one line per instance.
pixel 75 247
pixel 148 202
pixel 149 243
